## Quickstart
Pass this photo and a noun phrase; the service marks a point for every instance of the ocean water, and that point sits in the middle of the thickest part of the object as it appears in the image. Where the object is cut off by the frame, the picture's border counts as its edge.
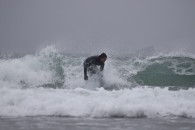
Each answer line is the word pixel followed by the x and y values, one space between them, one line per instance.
pixel 61 123
pixel 49 86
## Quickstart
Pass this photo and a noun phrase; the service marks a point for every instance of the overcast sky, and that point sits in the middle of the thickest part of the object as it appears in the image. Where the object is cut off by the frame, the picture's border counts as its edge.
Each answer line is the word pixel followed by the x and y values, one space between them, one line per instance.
pixel 91 26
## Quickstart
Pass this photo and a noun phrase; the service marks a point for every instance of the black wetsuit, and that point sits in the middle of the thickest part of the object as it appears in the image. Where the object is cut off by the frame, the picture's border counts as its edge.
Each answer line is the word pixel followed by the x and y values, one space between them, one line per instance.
pixel 92 61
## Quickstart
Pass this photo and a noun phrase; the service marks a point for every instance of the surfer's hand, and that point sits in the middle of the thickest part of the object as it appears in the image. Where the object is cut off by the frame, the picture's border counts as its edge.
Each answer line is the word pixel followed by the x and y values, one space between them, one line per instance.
pixel 85 77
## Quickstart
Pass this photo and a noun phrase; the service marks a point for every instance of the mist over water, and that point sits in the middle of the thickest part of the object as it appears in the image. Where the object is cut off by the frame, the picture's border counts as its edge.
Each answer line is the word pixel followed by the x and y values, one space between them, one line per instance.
pixel 93 26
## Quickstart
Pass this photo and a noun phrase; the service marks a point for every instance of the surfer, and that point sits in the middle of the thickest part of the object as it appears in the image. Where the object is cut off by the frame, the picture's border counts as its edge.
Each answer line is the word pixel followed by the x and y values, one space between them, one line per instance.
pixel 91 63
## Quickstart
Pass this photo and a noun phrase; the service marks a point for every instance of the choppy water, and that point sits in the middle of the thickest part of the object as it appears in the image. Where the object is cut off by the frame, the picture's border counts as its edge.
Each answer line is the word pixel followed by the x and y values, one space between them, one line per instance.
pixel 60 123
pixel 51 84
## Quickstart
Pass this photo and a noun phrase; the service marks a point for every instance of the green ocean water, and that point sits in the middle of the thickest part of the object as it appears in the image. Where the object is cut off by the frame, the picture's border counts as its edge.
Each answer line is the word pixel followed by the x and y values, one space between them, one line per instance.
pixel 168 71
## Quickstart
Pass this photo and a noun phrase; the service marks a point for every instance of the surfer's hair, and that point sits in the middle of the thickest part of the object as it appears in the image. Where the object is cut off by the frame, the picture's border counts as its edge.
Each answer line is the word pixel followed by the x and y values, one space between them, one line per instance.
pixel 103 55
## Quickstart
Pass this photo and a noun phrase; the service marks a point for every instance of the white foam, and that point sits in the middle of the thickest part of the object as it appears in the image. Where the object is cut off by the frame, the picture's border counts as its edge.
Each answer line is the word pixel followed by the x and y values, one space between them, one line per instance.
pixel 137 102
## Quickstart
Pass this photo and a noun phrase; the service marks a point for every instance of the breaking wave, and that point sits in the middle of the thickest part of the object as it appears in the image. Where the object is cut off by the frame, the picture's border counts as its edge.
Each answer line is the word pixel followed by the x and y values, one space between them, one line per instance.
pixel 50 83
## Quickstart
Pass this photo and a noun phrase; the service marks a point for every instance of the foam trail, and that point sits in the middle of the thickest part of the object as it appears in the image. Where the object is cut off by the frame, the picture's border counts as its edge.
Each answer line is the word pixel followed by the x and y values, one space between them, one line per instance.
pixel 138 102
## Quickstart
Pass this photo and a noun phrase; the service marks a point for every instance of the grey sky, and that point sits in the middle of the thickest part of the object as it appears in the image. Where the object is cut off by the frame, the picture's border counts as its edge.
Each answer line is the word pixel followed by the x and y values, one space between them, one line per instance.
pixel 92 26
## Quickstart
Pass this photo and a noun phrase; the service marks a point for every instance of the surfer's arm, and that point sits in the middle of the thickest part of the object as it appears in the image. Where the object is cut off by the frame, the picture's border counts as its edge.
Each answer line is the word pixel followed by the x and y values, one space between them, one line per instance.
pixel 86 65
pixel 89 61
pixel 102 67
pixel 85 70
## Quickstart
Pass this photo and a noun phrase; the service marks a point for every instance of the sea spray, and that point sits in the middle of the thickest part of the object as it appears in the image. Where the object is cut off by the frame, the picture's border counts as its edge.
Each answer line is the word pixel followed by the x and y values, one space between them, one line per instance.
pixel 51 84
pixel 137 102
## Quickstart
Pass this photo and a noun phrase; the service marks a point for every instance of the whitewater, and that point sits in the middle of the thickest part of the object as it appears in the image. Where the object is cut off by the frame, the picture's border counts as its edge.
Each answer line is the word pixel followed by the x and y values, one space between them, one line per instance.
pixel 50 83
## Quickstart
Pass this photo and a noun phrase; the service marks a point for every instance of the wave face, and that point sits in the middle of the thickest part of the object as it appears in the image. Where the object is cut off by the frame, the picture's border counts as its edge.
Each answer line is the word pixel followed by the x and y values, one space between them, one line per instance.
pixel 168 71
pixel 51 84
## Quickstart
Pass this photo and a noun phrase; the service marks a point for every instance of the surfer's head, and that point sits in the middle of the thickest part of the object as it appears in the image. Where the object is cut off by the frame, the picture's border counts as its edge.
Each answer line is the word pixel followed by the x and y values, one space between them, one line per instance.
pixel 103 57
